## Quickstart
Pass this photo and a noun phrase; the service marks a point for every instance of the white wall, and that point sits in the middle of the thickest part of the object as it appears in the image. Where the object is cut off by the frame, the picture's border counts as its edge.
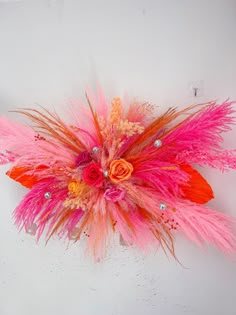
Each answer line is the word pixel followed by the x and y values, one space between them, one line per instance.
pixel 49 51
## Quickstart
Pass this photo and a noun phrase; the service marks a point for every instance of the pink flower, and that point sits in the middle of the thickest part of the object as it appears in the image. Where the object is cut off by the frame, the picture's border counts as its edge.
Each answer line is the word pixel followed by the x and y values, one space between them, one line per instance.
pixel 92 175
pixel 83 158
pixel 114 194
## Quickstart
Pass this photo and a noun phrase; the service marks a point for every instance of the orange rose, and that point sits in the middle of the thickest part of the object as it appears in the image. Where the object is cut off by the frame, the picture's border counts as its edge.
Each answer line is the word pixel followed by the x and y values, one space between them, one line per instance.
pixel 120 170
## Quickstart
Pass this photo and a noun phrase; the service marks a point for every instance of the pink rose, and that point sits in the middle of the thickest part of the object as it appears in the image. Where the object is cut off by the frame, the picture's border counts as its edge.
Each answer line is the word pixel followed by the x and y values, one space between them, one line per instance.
pixel 114 194
pixel 83 158
pixel 92 175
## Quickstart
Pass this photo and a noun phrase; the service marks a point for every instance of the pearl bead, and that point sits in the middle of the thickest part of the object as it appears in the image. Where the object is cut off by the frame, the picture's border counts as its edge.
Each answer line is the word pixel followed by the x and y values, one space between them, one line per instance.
pixel 95 149
pixel 105 173
pixel 31 229
pixel 158 143
pixel 162 206
pixel 47 195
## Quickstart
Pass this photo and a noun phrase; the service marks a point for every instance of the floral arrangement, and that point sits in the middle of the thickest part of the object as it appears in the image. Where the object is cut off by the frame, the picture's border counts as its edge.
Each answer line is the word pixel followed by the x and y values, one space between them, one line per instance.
pixel 121 168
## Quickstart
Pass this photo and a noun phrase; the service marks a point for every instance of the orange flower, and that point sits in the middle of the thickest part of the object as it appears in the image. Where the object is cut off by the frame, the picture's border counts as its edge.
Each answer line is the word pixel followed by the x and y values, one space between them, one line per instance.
pixel 76 188
pixel 120 170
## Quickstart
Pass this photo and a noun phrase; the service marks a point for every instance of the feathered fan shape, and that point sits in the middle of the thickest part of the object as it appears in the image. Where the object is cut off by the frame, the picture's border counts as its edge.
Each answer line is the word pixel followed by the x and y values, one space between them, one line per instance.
pixel 118 168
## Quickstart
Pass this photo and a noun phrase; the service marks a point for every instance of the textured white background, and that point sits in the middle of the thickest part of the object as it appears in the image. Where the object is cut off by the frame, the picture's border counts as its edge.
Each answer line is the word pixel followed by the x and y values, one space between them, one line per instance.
pixel 49 51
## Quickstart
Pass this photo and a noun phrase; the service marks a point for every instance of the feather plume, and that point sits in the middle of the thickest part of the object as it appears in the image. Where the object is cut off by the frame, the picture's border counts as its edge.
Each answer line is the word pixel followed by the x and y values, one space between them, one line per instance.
pixel 118 168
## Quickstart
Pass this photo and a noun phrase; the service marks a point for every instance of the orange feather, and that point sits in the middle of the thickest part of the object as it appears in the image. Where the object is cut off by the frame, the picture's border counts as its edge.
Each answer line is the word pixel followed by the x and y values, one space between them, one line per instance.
pixel 19 174
pixel 197 189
